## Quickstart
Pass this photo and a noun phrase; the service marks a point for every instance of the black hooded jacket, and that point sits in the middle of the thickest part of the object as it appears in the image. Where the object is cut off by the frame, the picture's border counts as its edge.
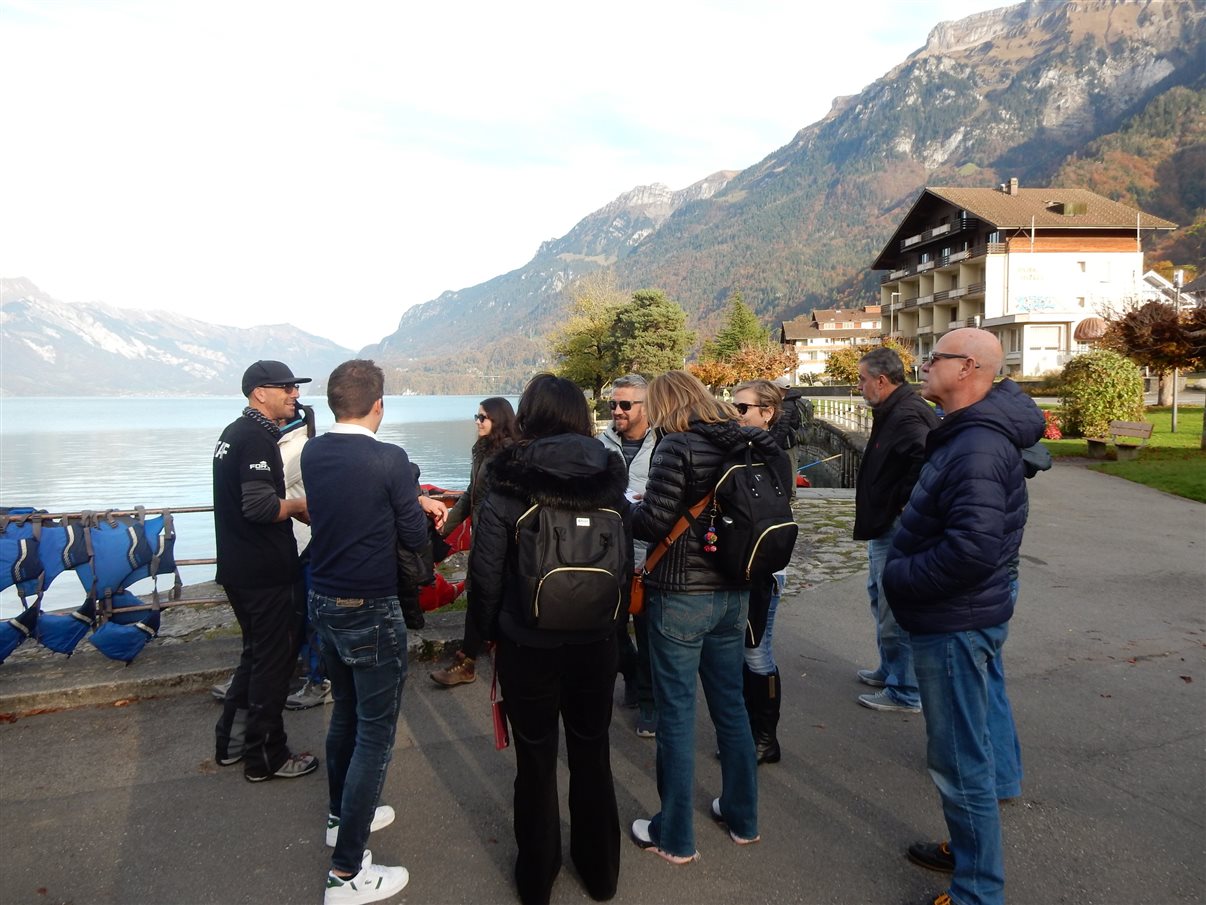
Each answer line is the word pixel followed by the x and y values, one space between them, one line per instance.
pixel 567 471
pixel 685 467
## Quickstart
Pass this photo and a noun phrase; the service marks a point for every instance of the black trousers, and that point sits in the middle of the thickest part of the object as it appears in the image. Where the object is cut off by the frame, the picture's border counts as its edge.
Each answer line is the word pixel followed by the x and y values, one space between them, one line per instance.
pixel 575 683
pixel 273 624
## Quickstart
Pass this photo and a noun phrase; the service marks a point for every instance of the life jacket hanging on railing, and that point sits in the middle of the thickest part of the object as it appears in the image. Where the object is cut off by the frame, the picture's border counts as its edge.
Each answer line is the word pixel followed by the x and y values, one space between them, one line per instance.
pixel 123 635
pixel 119 547
pixel 161 536
pixel 16 630
pixel 64 547
pixel 20 563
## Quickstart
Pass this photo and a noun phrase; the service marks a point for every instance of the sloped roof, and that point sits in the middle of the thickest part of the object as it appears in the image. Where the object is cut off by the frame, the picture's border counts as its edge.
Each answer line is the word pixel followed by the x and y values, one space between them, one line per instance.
pixel 1005 211
pixel 802 328
pixel 1015 211
pixel 836 315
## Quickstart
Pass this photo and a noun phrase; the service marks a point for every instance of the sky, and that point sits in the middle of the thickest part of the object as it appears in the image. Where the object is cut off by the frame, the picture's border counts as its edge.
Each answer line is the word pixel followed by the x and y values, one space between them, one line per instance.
pixel 330 165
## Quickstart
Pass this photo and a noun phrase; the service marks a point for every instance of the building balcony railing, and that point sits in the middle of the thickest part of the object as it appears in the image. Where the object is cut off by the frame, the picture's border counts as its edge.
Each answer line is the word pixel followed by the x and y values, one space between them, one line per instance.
pixel 976 251
pixel 943 229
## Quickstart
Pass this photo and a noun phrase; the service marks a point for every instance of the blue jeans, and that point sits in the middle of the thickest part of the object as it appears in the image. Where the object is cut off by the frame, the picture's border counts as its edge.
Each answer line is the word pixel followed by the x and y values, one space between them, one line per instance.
pixel 895 649
pixel 761 659
pixel 364 650
pixel 700 634
pixel 962 688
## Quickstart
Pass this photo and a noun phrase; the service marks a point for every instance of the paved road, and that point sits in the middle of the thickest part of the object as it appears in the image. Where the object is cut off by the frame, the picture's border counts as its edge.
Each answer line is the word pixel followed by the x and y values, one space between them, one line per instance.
pixel 1106 655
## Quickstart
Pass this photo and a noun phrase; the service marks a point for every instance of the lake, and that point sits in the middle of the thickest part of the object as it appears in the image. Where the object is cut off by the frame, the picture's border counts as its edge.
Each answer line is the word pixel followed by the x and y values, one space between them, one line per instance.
pixel 71 454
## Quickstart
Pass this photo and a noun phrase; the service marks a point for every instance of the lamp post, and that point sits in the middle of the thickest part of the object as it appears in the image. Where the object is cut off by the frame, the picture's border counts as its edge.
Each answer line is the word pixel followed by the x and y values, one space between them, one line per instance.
pixel 1178 279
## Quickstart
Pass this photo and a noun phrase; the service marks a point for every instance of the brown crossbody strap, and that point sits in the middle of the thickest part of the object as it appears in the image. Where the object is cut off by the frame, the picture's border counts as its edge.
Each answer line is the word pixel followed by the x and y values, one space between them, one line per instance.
pixel 679 527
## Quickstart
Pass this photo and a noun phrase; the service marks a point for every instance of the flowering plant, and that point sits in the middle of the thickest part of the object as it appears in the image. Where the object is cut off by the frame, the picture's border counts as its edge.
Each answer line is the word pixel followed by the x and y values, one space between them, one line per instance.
pixel 1052 431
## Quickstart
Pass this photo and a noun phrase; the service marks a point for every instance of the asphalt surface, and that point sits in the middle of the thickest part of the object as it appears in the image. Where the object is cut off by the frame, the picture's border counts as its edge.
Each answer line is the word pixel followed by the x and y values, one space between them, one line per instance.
pixel 123 804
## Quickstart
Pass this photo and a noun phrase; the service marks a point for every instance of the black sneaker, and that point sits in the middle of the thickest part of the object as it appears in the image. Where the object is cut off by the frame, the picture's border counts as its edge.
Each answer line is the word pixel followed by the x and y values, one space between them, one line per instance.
pixel 933 855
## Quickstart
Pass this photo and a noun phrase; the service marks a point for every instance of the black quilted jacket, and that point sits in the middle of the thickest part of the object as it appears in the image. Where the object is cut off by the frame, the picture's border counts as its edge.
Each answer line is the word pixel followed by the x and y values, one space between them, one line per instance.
pixel 566 471
pixel 685 467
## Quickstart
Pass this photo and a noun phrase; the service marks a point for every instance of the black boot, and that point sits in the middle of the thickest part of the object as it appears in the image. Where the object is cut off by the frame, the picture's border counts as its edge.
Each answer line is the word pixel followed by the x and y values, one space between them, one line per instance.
pixel 762 704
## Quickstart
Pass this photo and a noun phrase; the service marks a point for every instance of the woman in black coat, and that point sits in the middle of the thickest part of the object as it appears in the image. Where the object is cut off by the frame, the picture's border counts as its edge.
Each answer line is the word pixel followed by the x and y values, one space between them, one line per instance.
pixel 549 676
pixel 496 430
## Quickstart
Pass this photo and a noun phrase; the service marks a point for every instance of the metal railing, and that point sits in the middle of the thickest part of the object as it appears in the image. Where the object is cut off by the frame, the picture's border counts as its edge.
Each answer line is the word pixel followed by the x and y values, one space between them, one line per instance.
pixel 847 414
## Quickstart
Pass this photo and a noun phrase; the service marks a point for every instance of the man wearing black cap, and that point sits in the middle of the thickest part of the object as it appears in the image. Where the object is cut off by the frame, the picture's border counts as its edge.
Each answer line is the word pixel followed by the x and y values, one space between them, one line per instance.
pixel 258 568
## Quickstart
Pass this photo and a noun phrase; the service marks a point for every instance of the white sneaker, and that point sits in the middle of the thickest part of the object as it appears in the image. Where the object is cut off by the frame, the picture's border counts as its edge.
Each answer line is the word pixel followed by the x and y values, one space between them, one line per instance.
pixel 382 817
pixel 372 884
pixel 311 694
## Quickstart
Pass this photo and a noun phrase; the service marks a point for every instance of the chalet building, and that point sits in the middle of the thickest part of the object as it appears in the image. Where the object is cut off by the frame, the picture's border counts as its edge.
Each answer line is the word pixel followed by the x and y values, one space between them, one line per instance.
pixel 1026 264
pixel 826 329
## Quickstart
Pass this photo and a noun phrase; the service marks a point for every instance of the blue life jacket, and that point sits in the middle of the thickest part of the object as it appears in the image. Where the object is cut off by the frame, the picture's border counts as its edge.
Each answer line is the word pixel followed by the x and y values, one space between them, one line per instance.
pixel 61 632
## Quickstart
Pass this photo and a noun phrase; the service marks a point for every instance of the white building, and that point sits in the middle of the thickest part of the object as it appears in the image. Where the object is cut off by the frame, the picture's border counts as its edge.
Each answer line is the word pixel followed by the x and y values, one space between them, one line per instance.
pixel 1026 264
pixel 824 330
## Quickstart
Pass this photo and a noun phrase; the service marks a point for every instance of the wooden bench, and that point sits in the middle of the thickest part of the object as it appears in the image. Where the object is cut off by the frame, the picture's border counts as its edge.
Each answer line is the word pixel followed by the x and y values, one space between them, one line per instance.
pixel 1138 430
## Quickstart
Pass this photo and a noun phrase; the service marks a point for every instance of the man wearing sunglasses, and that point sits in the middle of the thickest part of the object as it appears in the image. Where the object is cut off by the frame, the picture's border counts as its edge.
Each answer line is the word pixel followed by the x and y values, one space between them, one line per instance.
pixel 631 436
pixel 258 568
pixel 948 579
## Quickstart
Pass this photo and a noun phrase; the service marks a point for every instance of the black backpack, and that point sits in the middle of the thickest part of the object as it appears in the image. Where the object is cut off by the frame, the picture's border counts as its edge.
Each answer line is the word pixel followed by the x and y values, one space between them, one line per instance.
pixel 573 565
pixel 752 530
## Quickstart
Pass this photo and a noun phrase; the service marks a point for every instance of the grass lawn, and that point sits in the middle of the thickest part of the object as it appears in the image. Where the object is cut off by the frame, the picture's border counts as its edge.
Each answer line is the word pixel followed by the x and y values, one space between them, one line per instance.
pixel 1174 463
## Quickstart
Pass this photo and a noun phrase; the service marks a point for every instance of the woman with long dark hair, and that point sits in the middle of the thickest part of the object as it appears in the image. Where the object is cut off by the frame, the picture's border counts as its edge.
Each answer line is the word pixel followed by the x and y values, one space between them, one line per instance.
pixel 552 676
pixel 496 430
pixel 697 616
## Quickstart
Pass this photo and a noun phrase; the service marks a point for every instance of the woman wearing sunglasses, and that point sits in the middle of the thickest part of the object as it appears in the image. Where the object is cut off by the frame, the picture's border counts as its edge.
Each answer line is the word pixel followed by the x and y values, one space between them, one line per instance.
pixel 759 405
pixel 496 430
pixel 697 616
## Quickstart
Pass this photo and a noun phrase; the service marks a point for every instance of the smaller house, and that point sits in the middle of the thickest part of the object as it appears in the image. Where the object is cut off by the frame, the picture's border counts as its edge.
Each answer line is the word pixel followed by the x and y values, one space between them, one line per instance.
pixel 814 337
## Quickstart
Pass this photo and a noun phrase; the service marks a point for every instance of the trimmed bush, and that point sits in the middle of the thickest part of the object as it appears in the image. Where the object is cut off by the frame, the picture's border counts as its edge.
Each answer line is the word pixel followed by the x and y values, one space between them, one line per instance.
pixel 1100 387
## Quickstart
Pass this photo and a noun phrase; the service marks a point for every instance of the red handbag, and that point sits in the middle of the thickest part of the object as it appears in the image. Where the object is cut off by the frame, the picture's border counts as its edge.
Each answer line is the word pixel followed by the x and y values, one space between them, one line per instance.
pixel 502 737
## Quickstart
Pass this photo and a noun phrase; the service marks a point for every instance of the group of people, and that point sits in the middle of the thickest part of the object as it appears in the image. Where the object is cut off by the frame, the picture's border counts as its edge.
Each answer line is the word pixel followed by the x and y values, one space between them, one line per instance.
pixel 941 503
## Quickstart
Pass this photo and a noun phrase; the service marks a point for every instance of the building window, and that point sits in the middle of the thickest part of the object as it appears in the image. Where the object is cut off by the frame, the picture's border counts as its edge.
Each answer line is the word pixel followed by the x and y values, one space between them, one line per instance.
pixel 1081 265
pixel 1080 301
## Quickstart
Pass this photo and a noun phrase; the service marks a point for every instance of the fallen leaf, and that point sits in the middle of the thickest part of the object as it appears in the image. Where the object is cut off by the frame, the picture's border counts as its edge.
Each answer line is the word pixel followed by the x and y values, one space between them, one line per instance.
pixel 1187 679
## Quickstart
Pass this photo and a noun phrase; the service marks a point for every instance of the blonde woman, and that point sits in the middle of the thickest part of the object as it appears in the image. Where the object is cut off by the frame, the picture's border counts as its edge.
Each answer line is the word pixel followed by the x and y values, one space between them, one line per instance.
pixel 697 618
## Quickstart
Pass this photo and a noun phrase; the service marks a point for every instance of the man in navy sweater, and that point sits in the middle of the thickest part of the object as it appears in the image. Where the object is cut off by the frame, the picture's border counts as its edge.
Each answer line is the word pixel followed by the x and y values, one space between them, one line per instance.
pixel 363 503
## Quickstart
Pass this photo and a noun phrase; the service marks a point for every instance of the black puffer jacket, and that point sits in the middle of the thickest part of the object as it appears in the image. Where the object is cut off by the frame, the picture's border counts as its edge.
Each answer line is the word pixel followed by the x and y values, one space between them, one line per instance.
pixel 685 467
pixel 567 471
pixel 949 566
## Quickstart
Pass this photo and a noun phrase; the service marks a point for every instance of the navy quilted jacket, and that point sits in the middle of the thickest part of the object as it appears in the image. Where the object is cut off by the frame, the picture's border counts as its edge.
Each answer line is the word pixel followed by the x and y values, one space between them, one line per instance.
pixel 948 569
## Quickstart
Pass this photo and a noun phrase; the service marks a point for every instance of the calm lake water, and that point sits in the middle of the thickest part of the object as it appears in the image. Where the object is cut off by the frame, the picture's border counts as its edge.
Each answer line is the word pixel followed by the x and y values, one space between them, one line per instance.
pixel 71 454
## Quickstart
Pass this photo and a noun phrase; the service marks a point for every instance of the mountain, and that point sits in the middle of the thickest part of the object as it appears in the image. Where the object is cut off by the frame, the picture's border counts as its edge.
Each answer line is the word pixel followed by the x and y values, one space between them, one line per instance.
pixel 1007 93
pixel 50 348
pixel 1155 162
pixel 498 326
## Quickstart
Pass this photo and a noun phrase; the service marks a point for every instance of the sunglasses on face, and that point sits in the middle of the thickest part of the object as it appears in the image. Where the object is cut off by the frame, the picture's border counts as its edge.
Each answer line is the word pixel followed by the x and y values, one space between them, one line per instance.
pixel 940 356
pixel 287 387
pixel 624 405
pixel 481 419
pixel 743 407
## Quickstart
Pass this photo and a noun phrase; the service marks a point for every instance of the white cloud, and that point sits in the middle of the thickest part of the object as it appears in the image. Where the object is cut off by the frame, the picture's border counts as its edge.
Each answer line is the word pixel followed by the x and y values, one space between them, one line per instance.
pixel 329 166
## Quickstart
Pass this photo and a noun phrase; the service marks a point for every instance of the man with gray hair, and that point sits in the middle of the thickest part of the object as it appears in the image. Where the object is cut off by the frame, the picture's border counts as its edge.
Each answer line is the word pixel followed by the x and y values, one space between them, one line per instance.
pixel 891 462
pixel 631 436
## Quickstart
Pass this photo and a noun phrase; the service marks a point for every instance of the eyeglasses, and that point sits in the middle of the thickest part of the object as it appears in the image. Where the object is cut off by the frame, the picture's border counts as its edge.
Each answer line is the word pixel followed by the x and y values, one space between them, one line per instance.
pixel 480 418
pixel 624 405
pixel 287 387
pixel 939 356
pixel 744 407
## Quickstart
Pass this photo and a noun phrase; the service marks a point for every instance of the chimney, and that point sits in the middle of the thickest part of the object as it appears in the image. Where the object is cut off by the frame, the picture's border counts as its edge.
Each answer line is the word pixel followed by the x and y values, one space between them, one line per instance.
pixel 1013 186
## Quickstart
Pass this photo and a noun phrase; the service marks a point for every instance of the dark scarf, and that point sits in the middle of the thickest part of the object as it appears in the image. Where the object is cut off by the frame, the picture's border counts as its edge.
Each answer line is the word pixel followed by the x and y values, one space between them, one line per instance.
pixel 266 423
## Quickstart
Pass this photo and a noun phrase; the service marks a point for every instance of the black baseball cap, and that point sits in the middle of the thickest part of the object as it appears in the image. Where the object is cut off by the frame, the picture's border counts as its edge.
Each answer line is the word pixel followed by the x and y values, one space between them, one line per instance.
pixel 264 373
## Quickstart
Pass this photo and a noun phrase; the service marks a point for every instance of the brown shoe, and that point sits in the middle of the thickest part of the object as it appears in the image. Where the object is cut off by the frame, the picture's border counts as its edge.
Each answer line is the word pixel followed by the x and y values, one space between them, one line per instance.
pixel 461 672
